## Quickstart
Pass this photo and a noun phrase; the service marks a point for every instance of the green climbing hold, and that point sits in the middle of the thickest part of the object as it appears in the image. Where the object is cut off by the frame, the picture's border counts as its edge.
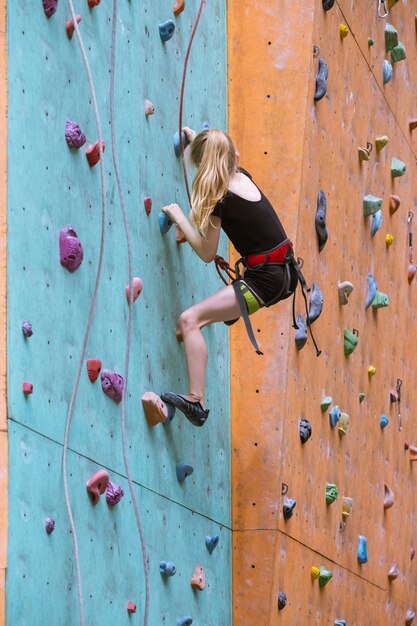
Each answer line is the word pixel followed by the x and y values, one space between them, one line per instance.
pixel 381 300
pixel 325 403
pixel 391 37
pixel 398 53
pixel 362 396
pixel 331 493
pixel 350 341
pixel 391 3
pixel 386 71
pixel 370 41
pixel 324 576
pixel 398 168
pixel 371 204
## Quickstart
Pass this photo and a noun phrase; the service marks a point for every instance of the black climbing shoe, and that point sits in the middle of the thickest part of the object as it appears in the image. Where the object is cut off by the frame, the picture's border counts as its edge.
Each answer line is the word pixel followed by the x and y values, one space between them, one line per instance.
pixel 193 411
pixel 231 322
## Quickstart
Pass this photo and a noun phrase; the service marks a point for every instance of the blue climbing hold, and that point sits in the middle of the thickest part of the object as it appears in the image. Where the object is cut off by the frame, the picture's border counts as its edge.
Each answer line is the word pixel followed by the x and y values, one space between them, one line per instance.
pixel 372 288
pixel 211 542
pixel 164 223
pixel 386 72
pixel 335 415
pixel 166 30
pixel 301 333
pixel 362 549
pixel 383 421
pixel 166 568
pixel 183 470
pixel 339 622
pixel 185 621
pixel 176 142
pixel 376 222
pixel 316 303
pixel 206 125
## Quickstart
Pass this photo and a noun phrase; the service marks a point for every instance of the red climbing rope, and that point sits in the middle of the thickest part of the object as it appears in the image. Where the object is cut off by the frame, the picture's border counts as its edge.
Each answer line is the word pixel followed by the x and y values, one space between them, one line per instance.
pixel 187 54
pixel 130 319
pixel 90 317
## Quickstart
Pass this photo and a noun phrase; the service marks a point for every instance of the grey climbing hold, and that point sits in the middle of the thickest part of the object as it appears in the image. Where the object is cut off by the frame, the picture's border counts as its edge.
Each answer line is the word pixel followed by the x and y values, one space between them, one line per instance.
pixel 398 168
pixel 380 301
pixel 345 289
pixel 371 204
pixel 27 329
pixel 304 428
pixel 398 53
pixel 334 416
pixel 166 30
pixel 49 525
pixel 288 508
pixel 321 80
pixel 211 542
pixel 301 332
pixel 320 220
pixel 371 289
pixel 339 622
pixel 393 572
pixel 386 71
pixel 316 303
pixel 184 621
pixel 391 37
pixel 183 470
pixel 376 222
pixel 282 600
pixel 166 568
pixel 409 617
pixel 327 4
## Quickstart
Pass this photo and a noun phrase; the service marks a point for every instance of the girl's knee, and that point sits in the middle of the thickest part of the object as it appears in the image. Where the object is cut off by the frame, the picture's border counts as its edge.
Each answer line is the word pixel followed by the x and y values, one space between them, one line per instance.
pixel 187 320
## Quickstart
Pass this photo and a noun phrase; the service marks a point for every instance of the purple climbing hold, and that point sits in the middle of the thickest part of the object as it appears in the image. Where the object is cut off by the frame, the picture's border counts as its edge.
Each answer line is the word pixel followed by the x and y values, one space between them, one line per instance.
pixel 74 135
pixel 112 384
pixel 70 249
pixel 49 525
pixel 27 329
pixel 114 494
pixel 50 6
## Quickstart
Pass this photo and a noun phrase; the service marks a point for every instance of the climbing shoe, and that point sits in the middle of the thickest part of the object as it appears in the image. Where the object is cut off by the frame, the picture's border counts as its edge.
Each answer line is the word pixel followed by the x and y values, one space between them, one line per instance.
pixel 193 411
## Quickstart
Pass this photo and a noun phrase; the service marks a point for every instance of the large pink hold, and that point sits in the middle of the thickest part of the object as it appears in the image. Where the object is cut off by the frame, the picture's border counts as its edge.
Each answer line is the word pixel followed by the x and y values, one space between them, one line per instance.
pixel 70 249
pixel 49 6
pixel 74 135
pixel 112 384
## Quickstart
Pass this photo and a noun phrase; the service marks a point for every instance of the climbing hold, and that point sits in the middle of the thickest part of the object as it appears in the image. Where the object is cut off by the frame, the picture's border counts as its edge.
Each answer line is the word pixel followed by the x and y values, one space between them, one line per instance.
pixel 70 26
pixel 301 332
pixel 343 423
pixel 131 607
pixel 371 290
pixel 412 125
pixel 93 153
pixel 165 223
pixel 50 6
pixel 93 369
pixel 185 621
pixel 27 329
pixel 331 493
pixel 288 508
pixel 166 568
pixel 27 388
pixel 149 107
pixel 345 289
pixel 49 525
pixel 325 403
pixel 389 240
pixel 74 136
pixel 324 576
pixel 97 485
pixel 321 80
pixel 339 622
pixel 412 553
pixel 334 415
pixel 386 71
pixel 282 600
pixel 176 142
pixel 398 168
pixel 376 222
pixel 211 542
pixel 148 205
pixel 179 6
pixel 166 30
pixel 413 453
pixel 391 37
pixel 206 126
pixel 114 494
pixel 371 370
pixel 381 142
pixel 315 572
pixel 393 396
pixel 183 470
pixel 137 286
pixel 343 30
pixel 412 267
pixel 316 303
pixel 304 428
pixel 362 396
pixel 371 204
pixel 388 497
pixel 347 504
pixel 362 549
pixel 350 340
pixel 410 615
pixel 70 249
pixel 93 3
pixel 383 421
pixel 370 42
pixel 320 220
pixel 391 3
pixel 381 300
pixel 198 580
pixel 406 445
pixel 156 410
pixel 365 153
pixel 112 384
pixel 398 53
pixel 393 572
pixel 327 4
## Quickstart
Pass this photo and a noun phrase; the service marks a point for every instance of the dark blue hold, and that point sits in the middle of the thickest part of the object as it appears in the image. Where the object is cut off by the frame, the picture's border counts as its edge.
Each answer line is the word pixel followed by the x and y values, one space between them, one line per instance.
pixel 383 421
pixel 167 569
pixel 211 542
pixel 185 621
pixel 206 125
pixel 164 223
pixel 171 413
pixel 184 470
pixel 282 600
pixel 176 142
pixel 288 508
pixel 166 30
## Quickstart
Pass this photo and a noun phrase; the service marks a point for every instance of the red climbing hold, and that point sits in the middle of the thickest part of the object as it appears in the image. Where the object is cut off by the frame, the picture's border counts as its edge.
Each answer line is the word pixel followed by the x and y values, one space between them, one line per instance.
pixel 179 6
pixel 97 485
pixel 27 388
pixel 198 580
pixel 148 205
pixel 131 607
pixel 93 3
pixel 137 285
pixel 93 369
pixel 93 153
pixel 70 26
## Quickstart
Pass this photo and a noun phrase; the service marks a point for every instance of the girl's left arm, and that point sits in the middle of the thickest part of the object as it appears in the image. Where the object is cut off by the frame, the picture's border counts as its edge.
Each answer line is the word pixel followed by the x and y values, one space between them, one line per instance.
pixel 205 248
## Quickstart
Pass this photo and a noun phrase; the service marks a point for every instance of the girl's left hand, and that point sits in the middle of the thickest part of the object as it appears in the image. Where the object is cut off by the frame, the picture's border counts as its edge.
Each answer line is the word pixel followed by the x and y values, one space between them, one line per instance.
pixel 173 211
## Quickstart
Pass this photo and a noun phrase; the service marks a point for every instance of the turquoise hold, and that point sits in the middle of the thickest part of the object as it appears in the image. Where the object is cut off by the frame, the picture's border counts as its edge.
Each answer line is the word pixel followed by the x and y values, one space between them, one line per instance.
pixel 398 168
pixel 376 222
pixel 386 72
pixel 371 204
pixel 383 421
pixel 362 549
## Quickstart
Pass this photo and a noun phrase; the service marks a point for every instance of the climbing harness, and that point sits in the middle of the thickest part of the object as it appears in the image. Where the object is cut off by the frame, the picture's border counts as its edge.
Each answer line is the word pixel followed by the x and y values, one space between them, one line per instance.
pixel 382 3
pixel 280 255
pixel 399 385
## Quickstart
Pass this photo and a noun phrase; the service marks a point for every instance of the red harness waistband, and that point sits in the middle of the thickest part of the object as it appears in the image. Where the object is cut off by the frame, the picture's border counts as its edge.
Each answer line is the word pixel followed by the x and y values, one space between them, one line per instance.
pixel 278 255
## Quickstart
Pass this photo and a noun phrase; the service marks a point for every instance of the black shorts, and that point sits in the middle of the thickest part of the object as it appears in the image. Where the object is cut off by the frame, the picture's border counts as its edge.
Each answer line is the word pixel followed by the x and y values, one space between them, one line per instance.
pixel 267 282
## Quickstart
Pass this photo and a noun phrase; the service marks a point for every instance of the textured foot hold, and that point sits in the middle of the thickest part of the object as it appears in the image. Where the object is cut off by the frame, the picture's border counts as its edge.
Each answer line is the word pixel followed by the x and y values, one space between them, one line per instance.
pixel 321 80
pixel 156 410
pixel 320 220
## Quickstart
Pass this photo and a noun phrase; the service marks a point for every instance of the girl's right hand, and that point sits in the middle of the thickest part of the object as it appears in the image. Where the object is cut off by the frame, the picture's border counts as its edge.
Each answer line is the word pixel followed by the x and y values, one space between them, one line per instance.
pixel 190 133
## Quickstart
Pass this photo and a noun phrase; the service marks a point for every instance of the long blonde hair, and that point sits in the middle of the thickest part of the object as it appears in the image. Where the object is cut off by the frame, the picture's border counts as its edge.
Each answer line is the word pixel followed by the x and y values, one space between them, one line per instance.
pixel 213 152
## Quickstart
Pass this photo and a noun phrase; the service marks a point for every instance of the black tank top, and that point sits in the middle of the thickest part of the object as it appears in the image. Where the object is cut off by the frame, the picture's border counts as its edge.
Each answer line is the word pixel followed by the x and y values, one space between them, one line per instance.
pixel 252 226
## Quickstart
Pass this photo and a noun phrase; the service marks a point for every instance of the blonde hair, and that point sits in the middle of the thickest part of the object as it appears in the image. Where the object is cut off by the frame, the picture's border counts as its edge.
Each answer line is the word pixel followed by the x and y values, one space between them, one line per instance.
pixel 213 152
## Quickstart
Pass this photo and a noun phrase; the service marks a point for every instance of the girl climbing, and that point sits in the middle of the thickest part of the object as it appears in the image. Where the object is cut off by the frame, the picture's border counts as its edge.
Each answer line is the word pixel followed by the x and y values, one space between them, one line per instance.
pixel 225 196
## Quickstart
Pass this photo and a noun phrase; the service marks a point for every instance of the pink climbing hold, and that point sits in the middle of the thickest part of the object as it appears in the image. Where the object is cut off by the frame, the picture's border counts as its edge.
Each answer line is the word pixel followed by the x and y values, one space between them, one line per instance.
pixel 137 285
pixel 97 485
pixel 131 607
pixel 112 384
pixel 93 369
pixel 70 26
pixel 93 153
pixel 74 135
pixel 49 525
pixel 114 494
pixel 50 6
pixel 93 3
pixel 70 249
pixel 198 581
pixel 148 205
pixel 149 107
pixel 27 388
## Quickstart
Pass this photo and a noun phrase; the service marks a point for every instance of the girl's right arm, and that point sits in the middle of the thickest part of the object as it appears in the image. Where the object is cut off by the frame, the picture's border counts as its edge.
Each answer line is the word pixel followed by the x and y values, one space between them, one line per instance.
pixel 205 248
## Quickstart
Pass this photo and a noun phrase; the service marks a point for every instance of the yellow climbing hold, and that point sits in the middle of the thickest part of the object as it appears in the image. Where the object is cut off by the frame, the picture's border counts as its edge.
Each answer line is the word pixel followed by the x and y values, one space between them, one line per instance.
pixel 371 370
pixel 381 142
pixel 389 240
pixel 315 572
pixel 343 30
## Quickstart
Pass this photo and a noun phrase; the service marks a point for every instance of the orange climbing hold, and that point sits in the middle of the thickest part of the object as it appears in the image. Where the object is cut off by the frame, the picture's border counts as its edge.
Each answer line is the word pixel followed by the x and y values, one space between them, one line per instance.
pixel 93 369
pixel 70 26
pixel 198 580
pixel 93 3
pixel 394 203
pixel 179 6
pixel 412 124
pixel 413 453
pixel 97 485
pixel 93 153
pixel 156 410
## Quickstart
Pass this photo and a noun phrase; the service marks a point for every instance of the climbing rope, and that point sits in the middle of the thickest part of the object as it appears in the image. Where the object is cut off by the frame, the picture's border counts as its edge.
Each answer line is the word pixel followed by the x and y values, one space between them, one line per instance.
pixel 90 317
pixel 187 54
pixel 130 318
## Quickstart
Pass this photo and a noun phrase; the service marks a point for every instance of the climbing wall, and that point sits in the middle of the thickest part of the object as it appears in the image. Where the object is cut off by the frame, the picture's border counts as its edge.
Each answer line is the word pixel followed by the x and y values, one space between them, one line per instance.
pixel 296 147
pixel 49 187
